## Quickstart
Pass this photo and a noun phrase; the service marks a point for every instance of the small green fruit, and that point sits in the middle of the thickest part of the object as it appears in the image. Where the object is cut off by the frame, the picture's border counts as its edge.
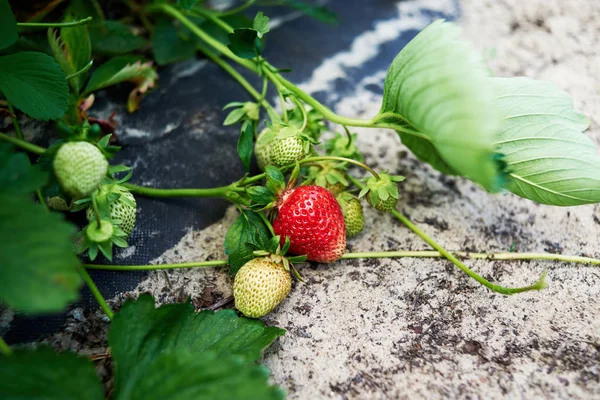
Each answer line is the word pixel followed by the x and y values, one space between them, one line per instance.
pixel 353 213
pixel 287 147
pixel 58 203
pixel 260 286
pixel 262 148
pixel 79 168
pixel 123 209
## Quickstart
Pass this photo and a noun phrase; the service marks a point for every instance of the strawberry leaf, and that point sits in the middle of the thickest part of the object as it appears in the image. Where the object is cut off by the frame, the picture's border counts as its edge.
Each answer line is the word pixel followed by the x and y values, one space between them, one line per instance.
pixel 172 352
pixel 34 83
pixel 124 69
pixel 111 38
pixel 43 373
pixel 242 238
pixel 245 43
pixel 547 157
pixel 260 195
pixel 168 46
pixel 17 176
pixel 245 144
pixel 8 25
pixel 261 24
pixel 437 98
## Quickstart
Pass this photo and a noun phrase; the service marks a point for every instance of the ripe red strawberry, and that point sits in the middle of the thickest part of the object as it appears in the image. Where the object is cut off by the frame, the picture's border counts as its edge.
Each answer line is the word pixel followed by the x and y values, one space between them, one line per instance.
pixel 312 218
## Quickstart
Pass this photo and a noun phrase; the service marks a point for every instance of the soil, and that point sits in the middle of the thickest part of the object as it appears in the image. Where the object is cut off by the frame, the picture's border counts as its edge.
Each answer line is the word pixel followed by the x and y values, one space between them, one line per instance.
pixel 419 328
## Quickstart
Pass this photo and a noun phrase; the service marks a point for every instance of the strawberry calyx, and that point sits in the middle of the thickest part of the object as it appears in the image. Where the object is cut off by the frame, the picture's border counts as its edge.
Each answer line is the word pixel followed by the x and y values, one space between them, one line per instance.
pixel 274 251
pixel 382 193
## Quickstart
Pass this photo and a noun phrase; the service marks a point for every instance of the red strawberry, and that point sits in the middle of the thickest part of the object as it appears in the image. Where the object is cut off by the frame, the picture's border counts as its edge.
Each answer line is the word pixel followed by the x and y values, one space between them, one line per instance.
pixel 312 218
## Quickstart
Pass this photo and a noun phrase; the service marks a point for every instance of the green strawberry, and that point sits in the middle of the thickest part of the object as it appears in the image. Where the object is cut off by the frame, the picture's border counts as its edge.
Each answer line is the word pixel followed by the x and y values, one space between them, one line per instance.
pixel 260 285
pixel 382 193
pixel 353 213
pixel 79 168
pixel 262 148
pixel 288 146
pixel 123 208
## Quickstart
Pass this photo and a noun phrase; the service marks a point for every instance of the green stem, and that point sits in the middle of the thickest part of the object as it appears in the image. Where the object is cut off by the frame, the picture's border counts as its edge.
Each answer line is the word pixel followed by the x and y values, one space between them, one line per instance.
pixel 237 9
pixel 500 256
pixel 165 193
pixel 94 289
pixel 380 254
pixel 538 285
pixel 303 111
pixel 29 147
pixel 15 122
pixel 96 211
pixel 344 159
pixel 4 348
pixel 200 264
pixel 267 223
pixel 81 71
pixel 239 78
pixel 54 24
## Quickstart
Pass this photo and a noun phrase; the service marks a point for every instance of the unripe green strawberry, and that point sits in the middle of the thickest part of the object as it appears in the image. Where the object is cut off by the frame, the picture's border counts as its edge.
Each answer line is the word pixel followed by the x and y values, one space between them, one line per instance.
pixel 260 285
pixel 383 205
pixel 288 146
pixel 262 148
pixel 79 168
pixel 382 191
pixel 353 213
pixel 58 203
pixel 123 209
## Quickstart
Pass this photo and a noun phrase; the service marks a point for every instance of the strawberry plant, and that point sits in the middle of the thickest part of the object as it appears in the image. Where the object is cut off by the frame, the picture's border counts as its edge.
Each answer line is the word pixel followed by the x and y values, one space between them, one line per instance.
pixel 513 134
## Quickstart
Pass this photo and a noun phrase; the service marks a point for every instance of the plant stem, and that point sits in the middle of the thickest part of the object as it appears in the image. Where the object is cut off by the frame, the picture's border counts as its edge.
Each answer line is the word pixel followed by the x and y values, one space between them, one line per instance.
pixel 200 264
pixel 29 147
pixel 54 24
pixel 239 78
pixel 94 289
pixel 81 71
pixel 96 211
pixel 237 10
pixel 15 122
pixel 344 159
pixel 500 256
pixel 165 193
pixel 4 348
pixel 538 285
pixel 380 254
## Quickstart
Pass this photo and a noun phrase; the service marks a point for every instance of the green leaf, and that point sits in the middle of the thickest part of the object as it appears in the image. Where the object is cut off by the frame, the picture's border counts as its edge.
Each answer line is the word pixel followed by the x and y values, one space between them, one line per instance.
pixel 320 13
pixel 208 375
pixel 17 175
pixel 549 160
pixel 140 335
pixel 42 373
pixel 72 50
pixel 234 116
pixel 261 24
pixel 217 32
pixel 39 268
pixel 123 69
pixel 245 43
pixel 112 38
pixel 437 97
pixel 275 179
pixel 243 233
pixel 85 8
pixel 186 4
pixel 168 46
pixel 245 144
pixel 260 195
pixel 35 84
pixel 8 25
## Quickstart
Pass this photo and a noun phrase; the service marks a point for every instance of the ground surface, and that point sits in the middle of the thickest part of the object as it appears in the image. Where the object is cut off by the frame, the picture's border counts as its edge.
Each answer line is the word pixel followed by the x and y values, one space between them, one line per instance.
pixel 419 328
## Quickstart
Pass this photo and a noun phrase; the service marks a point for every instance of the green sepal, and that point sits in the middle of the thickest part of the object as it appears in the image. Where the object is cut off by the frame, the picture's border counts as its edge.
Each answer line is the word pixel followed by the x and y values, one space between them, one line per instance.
pixel 275 179
pixel 260 195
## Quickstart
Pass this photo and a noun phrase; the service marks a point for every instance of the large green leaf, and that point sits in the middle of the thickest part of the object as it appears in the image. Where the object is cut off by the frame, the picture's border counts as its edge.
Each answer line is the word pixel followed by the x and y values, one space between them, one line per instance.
pixel 72 50
pixel 43 374
pixel 436 97
pixel 140 333
pixel 113 38
pixel 549 159
pixel 123 69
pixel 38 267
pixel 8 25
pixel 180 375
pixel 35 84
pixel 168 46
pixel 241 238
